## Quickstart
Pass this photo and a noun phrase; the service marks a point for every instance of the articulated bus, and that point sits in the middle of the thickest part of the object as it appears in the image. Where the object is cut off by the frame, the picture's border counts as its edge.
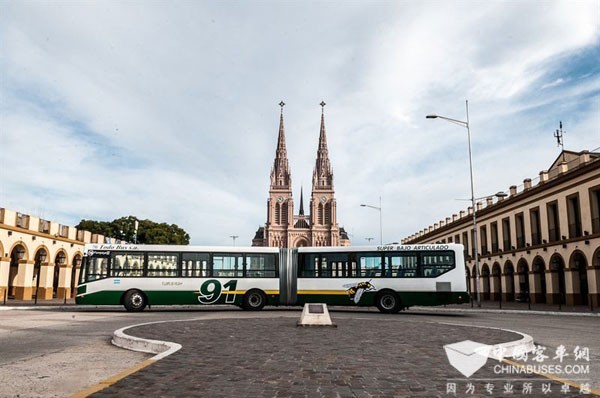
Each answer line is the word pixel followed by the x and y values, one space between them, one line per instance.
pixel 391 277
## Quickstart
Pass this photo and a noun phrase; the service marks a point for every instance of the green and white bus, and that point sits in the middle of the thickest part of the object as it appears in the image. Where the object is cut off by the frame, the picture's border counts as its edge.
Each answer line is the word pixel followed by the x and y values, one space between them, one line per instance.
pixel 390 277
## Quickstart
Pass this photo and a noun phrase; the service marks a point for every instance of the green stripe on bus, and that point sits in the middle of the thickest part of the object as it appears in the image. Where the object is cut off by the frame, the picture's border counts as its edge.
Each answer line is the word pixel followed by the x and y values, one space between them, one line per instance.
pixel 407 299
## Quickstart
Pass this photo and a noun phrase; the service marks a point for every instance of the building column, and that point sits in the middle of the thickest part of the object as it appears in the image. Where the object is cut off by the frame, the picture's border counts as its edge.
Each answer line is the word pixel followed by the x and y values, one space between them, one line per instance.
pixel 535 288
pixel 23 283
pixel 517 284
pixel 552 287
pixel 496 287
pixel 483 288
pixel 64 281
pixel 507 286
pixel 4 272
pixel 593 273
pixel 76 276
pixel 45 284
pixel 573 295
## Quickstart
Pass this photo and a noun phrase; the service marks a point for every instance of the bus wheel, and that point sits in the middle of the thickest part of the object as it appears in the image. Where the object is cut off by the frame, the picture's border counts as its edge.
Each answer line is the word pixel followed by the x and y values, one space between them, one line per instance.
pixel 388 302
pixel 135 301
pixel 254 300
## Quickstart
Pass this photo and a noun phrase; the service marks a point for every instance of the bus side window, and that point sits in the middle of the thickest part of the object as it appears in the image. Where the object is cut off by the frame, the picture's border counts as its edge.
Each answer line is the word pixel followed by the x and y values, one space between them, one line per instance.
pixel 194 265
pixel 403 265
pixel 324 270
pixel 308 265
pixel 371 265
pixel 97 268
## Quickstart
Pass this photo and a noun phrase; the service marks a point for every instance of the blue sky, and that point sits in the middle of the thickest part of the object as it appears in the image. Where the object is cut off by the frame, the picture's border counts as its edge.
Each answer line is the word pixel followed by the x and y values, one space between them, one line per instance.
pixel 168 110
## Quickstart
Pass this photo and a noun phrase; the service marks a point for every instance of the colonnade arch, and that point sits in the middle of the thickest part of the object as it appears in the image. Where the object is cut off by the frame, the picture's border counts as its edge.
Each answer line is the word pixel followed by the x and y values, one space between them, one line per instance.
pixel 557 280
pixel 538 268
pixel 75 270
pixel 485 282
pixel 59 261
pixel 523 281
pixel 549 278
pixel 468 277
pixel 509 281
pixel 35 270
pixel 578 265
pixel 18 256
pixel 496 282
pixel 40 259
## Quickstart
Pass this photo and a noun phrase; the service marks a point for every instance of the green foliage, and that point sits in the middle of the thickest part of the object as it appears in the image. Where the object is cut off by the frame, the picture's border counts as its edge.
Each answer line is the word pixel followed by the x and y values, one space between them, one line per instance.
pixel 149 232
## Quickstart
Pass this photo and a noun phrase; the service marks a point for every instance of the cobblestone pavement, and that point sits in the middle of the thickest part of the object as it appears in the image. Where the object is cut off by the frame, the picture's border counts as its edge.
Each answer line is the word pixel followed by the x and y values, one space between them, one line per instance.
pixel 362 357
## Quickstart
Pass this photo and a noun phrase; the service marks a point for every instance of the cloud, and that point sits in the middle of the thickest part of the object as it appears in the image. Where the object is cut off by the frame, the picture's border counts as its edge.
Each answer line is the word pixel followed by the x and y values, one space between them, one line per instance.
pixel 169 111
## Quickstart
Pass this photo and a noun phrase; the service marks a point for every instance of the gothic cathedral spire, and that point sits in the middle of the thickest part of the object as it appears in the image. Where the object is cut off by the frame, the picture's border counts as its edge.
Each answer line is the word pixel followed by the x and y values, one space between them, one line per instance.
pixel 322 174
pixel 281 178
pixel 283 227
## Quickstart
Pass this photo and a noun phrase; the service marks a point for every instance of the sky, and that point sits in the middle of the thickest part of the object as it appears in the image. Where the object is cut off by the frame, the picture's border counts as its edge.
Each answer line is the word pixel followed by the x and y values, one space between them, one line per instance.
pixel 168 110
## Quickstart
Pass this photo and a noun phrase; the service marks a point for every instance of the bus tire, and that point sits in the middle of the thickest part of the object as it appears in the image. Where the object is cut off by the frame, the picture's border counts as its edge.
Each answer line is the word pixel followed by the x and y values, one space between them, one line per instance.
pixel 388 302
pixel 254 300
pixel 135 301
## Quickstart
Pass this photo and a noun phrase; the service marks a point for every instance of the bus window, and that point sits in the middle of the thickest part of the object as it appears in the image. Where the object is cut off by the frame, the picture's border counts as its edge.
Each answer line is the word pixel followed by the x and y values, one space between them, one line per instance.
pixel 162 264
pixel 402 266
pixel 435 264
pixel 324 270
pixel 195 265
pixel 261 266
pixel 96 268
pixel 228 265
pixel 371 265
pixel 127 264
pixel 338 264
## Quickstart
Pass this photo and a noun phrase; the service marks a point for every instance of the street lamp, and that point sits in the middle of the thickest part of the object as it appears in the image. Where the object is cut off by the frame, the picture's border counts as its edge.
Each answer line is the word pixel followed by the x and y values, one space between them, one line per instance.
pixel 476 250
pixel 380 225
pixel 234 237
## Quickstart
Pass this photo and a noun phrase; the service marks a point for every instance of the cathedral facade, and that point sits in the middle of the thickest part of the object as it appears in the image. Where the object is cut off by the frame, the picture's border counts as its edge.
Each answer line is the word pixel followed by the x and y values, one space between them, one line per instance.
pixel 284 228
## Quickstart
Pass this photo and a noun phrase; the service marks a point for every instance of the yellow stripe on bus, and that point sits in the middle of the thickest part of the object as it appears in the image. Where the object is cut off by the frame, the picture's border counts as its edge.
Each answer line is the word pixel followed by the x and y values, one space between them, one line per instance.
pixel 324 292
pixel 269 292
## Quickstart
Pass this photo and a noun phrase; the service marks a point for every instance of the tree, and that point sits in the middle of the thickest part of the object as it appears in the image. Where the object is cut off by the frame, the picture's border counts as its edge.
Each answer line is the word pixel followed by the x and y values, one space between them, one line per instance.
pixel 149 232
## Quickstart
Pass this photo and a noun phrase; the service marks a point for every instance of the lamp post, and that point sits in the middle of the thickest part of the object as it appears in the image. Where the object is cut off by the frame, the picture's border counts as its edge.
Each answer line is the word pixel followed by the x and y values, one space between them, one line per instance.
pixel 234 237
pixel 380 223
pixel 476 251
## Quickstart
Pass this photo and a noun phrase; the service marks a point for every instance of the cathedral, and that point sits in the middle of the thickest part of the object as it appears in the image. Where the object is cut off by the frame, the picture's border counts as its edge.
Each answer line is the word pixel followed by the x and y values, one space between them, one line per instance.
pixel 286 229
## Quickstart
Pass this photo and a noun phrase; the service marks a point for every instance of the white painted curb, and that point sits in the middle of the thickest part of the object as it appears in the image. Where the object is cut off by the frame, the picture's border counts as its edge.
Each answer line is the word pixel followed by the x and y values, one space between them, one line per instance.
pixel 509 349
pixel 161 348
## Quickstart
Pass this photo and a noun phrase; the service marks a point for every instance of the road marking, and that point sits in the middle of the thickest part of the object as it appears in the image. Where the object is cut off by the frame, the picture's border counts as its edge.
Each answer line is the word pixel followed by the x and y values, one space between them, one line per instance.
pixel 113 379
pixel 551 377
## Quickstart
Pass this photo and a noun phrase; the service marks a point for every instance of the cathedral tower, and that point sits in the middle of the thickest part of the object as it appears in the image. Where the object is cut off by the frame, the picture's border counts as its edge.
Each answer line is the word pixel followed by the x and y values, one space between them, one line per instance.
pixel 325 231
pixel 283 228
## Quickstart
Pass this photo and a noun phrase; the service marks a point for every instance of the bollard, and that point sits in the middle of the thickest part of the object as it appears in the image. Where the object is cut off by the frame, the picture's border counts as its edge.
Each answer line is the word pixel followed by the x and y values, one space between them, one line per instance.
pixel 500 301
pixel 591 303
pixel 5 295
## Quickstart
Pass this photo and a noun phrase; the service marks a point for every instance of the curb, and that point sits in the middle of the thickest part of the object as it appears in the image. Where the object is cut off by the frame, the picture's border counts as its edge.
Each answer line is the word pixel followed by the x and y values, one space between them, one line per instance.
pixel 161 348
pixel 501 311
pixel 506 350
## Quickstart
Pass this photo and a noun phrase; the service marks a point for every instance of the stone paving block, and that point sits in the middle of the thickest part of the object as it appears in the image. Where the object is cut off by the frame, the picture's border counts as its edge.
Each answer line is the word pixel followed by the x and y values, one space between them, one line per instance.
pixel 262 358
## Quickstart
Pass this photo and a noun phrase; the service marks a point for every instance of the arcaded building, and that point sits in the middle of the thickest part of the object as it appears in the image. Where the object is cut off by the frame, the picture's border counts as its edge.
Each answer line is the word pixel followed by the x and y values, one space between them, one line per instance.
pixel 284 228
pixel 40 259
pixel 541 242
